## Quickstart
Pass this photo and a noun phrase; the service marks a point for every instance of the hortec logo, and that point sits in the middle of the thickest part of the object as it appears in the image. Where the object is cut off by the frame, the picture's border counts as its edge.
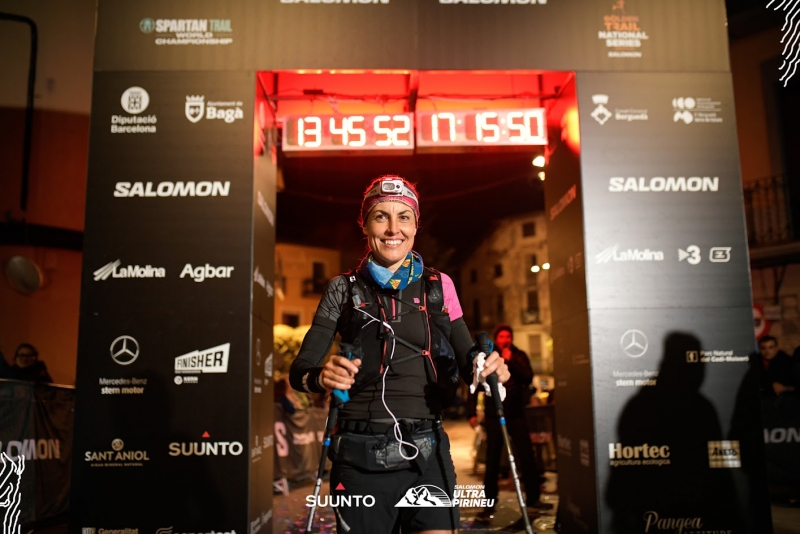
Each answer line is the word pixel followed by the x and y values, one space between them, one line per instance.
pixel 197 108
pixel 184 32
pixel 213 360
pixel 113 270
pixel 646 454
pixel 134 102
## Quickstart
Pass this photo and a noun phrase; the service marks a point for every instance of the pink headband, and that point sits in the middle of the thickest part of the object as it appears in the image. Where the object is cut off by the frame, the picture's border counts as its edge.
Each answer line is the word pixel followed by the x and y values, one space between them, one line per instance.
pixel 389 190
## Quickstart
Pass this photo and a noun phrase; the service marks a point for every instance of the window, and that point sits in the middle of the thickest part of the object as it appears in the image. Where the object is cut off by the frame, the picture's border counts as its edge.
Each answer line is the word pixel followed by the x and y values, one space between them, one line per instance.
pixel 476 314
pixel 318 278
pixel 528 229
pixel 533 301
pixel 473 276
pixel 501 308
pixel 498 270
pixel 530 315
pixel 291 319
pixel 530 276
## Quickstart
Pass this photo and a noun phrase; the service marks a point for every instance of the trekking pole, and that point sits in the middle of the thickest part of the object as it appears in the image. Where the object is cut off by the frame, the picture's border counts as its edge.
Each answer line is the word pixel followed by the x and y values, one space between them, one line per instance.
pixel 338 398
pixel 486 347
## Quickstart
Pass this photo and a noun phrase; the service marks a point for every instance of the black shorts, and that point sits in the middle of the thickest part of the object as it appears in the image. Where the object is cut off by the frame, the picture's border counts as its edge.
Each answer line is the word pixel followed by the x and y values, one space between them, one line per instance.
pixel 431 491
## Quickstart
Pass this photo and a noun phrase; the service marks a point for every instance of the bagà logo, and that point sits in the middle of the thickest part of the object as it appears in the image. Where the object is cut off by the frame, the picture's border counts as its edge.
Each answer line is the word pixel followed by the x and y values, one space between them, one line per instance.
pixel 196 108
pixel 10 478
pixel 172 189
pixel 724 454
pixel 206 448
pixel 601 113
pixel 634 343
pixel 213 360
pixel 134 101
pixel 124 350
pixel 613 253
pixel 659 184
pixel 201 273
pixel 131 271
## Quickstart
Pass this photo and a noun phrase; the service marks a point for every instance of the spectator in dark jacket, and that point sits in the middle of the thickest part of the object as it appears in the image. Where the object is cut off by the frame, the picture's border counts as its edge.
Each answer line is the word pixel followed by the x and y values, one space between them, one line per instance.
pixel 27 365
pixel 518 392
pixel 775 368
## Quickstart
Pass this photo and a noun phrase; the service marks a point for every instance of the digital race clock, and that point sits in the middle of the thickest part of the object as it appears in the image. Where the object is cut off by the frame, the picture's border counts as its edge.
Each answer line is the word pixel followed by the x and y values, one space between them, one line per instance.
pixel 386 132
pixel 472 128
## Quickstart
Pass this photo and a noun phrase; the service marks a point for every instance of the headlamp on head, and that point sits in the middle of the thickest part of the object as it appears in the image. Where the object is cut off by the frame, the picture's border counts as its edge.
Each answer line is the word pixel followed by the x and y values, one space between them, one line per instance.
pixel 392 187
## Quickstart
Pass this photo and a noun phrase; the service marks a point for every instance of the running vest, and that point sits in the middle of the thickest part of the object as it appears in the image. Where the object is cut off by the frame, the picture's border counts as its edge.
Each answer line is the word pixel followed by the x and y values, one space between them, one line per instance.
pixel 358 328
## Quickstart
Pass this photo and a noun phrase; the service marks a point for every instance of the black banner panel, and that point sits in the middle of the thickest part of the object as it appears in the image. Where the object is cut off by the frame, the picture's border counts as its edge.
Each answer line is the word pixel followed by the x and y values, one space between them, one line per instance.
pixel 172 366
pixel 599 35
pixel 652 360
pixel 662 192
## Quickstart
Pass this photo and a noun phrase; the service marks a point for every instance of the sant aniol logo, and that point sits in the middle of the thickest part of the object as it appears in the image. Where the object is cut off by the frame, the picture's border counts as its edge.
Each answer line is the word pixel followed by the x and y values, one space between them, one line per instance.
pixel 184 32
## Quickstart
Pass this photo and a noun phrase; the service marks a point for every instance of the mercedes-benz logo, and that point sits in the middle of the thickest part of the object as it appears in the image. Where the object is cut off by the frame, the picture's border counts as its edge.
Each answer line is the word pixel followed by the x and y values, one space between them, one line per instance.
pixel 117 445
pixel 634 343
pixel 124 350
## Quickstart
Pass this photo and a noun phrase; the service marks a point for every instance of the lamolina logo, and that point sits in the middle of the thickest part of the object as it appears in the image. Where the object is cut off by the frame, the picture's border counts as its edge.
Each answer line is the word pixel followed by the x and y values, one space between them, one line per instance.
pixel 206 448
pixel 134 101
pixel 131 271
pixel 183 32
pixel 196 108
pixel 213 360
pixel 613 253
pixel 172 189
pixel 658 184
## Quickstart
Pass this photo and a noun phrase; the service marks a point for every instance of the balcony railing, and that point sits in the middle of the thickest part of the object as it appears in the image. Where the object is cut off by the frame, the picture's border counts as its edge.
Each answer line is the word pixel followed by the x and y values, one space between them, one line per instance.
pixel 768 210
pixel 531 317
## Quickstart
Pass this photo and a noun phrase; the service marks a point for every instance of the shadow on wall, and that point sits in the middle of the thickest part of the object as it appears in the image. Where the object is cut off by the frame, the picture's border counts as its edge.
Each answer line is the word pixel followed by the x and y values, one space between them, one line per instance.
pixel 674 416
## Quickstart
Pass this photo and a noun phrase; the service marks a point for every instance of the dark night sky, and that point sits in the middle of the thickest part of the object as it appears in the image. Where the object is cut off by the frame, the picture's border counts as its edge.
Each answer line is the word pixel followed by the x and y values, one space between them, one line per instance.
pixel 461 195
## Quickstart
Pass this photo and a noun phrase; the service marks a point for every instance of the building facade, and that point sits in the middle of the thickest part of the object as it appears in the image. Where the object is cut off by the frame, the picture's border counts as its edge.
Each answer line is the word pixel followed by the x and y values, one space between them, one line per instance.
pixel 301 275
pixel 506 281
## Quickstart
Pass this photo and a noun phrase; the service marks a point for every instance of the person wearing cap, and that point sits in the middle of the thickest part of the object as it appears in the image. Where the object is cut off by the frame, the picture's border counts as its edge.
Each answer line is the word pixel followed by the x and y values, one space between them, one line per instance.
pixel 390 454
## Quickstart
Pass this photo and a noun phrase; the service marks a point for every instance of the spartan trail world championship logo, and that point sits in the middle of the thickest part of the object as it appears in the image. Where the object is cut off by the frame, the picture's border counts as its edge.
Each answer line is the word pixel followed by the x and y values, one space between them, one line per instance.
pixel 184 32
pixel 10 477
pixel 621 32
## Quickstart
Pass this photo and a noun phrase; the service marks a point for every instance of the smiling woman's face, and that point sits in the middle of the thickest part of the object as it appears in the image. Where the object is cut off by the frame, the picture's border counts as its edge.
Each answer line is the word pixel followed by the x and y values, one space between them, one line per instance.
pixel 390 229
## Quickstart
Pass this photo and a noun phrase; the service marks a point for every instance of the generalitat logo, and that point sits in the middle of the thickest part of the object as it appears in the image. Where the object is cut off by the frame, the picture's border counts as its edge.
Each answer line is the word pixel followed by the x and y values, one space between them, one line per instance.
pixel 134 101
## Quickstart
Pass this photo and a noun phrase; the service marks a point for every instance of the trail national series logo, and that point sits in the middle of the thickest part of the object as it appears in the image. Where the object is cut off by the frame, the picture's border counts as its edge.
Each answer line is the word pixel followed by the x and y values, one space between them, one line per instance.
pixel 621 32
pixel 184 32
